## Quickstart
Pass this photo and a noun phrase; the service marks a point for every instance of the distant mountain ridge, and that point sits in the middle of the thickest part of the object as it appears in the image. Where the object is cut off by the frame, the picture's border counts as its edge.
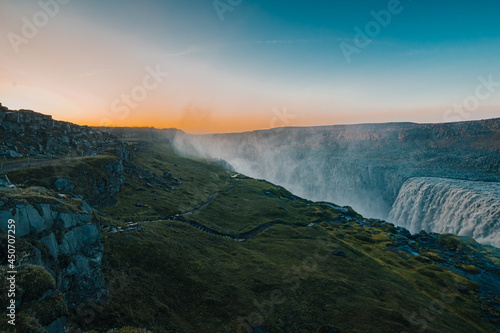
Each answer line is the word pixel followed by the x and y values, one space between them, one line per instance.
pixel 28 133
pixel 359 165
pixel 158 242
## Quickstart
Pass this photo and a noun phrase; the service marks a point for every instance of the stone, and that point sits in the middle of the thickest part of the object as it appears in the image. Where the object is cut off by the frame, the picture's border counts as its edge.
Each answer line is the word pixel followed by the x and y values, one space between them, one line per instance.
pixel 82 265
pixel 51 243
pixel 70 220
pixel 66 220
pixel 5 216
pixel 75 240
pixel 71 269
pixel 22 221
pixel 57 326
pixel 86 208
pixel 64 185
pixel 36 221
pixel 48 215
pixel 35 257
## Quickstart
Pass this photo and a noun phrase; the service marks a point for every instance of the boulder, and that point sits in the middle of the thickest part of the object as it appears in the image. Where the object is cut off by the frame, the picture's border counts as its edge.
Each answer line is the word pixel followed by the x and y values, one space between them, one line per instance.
pixel 35 221
pixel 70 220
pixel 64 185
pixel 22 221
pixel 78 239
pixel 51 243
pixel 47 214
pixel 5 216
pixel 56 326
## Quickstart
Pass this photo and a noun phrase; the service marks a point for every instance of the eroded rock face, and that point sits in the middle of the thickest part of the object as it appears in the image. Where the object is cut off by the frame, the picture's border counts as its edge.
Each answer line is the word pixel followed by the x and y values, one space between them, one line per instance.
pixel 44 136
pixel 70 251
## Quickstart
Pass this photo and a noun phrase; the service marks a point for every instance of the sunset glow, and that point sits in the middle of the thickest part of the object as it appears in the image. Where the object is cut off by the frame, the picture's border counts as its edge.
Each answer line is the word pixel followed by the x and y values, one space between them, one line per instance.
pixel 266 64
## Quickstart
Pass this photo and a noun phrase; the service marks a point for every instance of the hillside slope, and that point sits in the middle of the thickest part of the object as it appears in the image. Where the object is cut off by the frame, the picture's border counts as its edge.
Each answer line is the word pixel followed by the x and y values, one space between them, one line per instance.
pixel 363 166
pixel 188 246
pixel 227 253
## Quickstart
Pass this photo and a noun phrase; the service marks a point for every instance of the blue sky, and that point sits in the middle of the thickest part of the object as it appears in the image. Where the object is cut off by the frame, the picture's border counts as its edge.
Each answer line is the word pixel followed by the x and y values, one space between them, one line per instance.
pixel 264 56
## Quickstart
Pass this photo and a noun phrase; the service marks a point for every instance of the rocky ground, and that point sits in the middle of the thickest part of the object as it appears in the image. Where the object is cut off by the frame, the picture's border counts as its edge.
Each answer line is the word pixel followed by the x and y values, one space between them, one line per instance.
pixel 133 234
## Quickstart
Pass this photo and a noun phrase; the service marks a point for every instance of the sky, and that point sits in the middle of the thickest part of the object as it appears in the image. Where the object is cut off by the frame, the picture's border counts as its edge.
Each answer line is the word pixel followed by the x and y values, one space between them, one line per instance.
pixel 207 66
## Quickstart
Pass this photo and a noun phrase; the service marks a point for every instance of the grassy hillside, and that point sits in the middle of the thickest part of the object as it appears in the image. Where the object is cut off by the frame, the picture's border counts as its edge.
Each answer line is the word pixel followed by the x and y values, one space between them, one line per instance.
pixel 304 267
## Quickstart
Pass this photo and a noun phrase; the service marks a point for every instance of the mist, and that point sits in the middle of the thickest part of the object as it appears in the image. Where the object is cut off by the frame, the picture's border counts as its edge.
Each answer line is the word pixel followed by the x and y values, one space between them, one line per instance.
pixel 361 166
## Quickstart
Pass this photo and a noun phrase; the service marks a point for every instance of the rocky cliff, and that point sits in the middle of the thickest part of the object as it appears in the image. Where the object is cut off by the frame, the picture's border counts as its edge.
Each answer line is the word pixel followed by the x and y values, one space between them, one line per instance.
pixel 363 166
pixel 26 133
pixel 460 207
pixel 59 255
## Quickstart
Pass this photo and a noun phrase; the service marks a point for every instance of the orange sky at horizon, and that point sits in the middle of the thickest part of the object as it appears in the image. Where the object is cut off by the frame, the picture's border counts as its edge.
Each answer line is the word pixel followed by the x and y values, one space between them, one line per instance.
pixel 204 121
pixel 92 71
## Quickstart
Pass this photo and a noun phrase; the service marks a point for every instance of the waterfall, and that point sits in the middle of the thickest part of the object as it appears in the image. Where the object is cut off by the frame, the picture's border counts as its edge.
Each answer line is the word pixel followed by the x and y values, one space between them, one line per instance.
pixel 465 208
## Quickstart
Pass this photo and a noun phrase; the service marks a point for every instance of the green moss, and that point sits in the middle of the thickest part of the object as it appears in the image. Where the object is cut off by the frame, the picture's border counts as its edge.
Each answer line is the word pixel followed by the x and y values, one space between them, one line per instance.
pixel 47 310
pixel 364 238
pixel 433 256
pixel 26 323
pixel 471 269
pixel 172 277
pixel 38 195
pixel 34 281
pixel 450 241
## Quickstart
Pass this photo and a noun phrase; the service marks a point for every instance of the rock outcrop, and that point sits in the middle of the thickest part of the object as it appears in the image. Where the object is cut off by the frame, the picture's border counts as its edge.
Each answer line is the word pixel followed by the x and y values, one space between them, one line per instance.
pixel 58 243
pixel 27 133
pixel 363 166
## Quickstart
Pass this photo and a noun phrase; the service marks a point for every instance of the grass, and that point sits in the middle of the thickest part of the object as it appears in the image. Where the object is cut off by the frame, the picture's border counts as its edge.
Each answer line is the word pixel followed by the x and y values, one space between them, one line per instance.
pixel 171 277
pixel 175 272
pixel 41 305
pixel 39 195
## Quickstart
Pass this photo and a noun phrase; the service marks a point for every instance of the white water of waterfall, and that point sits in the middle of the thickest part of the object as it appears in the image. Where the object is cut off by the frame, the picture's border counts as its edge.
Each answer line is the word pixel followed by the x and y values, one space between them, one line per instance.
pixel 465 208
